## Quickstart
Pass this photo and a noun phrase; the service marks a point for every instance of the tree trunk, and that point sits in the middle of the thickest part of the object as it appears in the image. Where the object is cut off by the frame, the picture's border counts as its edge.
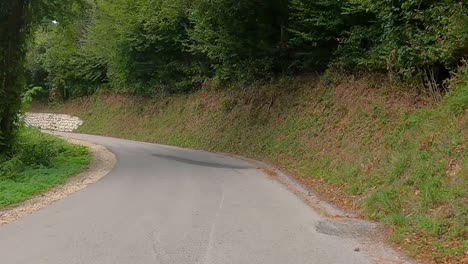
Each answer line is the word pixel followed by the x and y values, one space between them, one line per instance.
pixel 13 33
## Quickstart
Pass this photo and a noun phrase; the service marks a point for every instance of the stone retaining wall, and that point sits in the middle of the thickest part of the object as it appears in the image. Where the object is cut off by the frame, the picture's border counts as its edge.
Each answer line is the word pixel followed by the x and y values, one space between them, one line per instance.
pixel 55 122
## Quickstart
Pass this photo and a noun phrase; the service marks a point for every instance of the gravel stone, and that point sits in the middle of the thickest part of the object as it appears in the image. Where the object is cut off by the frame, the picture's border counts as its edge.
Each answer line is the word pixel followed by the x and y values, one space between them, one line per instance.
pixel 54 122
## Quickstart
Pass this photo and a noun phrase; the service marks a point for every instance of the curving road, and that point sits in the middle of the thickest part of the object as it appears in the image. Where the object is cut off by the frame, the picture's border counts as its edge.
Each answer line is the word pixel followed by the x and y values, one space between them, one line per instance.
pixel 167 205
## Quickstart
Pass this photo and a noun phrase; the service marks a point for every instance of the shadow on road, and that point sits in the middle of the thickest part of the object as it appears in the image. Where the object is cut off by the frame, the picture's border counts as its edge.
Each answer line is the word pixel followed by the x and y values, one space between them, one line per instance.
pixel 200 163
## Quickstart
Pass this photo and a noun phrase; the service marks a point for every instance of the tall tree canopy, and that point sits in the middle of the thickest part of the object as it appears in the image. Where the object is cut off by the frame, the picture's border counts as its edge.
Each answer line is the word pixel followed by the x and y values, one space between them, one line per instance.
pixel 151 46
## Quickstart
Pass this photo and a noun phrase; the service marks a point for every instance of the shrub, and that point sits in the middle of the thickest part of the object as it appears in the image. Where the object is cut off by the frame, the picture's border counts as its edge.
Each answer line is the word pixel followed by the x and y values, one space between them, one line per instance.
pixel 457 100
pixel 32 149
pixel 421 38
pixel 243 40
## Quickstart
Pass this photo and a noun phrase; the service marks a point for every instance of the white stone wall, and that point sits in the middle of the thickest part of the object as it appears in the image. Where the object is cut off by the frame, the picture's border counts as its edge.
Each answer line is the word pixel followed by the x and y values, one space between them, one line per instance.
pixel 56 122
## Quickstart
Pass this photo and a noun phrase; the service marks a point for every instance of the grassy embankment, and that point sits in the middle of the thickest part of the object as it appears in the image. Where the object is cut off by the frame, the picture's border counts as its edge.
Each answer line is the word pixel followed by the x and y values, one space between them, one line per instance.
pixel 39 163
pixel 390 156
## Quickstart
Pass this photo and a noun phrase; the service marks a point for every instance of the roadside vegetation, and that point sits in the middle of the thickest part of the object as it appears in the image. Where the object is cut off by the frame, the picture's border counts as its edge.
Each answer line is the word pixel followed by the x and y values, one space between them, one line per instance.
pixel 381 127
pixel 38 162
pixel 391 157
pixel 150 47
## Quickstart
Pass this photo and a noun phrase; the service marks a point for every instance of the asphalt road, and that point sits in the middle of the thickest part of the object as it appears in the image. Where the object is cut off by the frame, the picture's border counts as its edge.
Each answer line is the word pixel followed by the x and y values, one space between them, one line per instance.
pixel 164 204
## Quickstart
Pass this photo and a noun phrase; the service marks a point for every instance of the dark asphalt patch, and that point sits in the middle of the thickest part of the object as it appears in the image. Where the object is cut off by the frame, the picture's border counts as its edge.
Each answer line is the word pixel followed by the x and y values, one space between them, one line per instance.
pixel 200 163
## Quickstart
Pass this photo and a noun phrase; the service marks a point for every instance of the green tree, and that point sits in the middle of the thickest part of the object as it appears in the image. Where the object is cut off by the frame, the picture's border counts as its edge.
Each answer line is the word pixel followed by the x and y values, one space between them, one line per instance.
pixel 159 50
pixel 316 28
pixel 144 48
pixel 418 38
pixel 149 46
pixel 70 69
pixel 17 19
pixel 13 33
pixel 243 39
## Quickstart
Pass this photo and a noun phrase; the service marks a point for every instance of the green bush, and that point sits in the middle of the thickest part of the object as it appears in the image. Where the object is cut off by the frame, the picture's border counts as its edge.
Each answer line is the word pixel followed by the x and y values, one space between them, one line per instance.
pixel 37 163
pixel 38 153
pixel 243 40
pixel 154 51
pixel 60 63
pixel 315 28
pixel 32 149
pixel 420 38
pixel 11 167
pixel 457 100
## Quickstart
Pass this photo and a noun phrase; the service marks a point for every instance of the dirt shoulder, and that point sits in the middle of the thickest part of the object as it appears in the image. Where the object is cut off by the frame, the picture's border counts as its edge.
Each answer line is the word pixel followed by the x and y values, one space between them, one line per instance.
pixel 101 164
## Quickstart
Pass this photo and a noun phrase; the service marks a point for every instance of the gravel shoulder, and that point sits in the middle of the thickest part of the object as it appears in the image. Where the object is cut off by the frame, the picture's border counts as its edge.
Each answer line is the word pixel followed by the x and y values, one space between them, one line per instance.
pixel 101 164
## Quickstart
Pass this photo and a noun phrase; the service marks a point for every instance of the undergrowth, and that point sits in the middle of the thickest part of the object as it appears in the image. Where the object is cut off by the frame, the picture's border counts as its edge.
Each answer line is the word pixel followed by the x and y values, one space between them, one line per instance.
pixel 38 162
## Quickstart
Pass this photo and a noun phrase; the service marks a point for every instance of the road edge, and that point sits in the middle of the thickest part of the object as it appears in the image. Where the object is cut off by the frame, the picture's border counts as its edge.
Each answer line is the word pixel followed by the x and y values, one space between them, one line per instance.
pixel 102 162
pixel 369 233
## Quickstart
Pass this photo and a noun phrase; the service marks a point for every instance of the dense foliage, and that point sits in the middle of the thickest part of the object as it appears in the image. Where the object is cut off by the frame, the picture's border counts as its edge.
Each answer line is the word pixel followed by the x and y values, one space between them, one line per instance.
pixel 17 21
pixel 153 46
pixel 243 39
pixel 422 39
pixel 12 39
pixel 149 46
